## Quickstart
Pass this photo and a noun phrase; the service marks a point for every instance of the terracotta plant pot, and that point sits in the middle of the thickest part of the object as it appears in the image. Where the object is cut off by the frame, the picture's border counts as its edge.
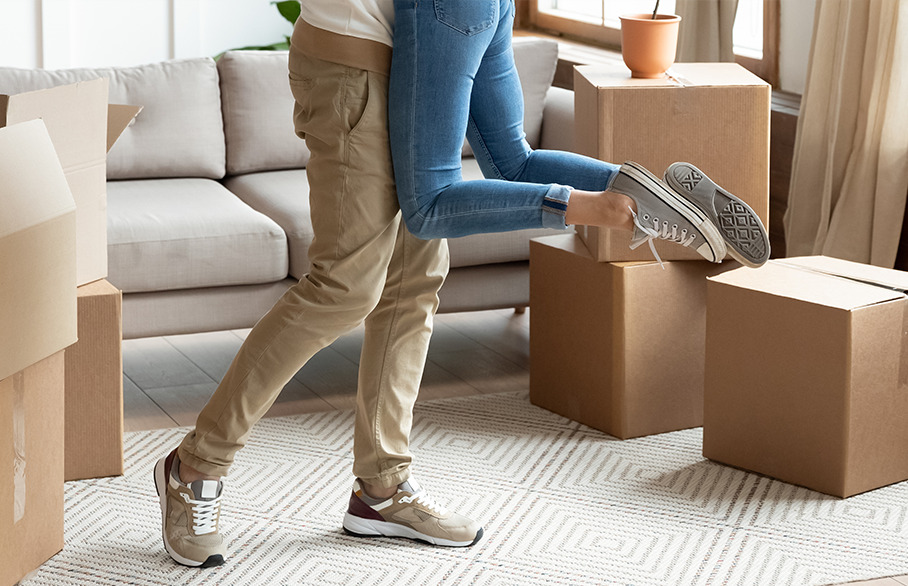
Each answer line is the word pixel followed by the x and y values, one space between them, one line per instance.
pixel 648 45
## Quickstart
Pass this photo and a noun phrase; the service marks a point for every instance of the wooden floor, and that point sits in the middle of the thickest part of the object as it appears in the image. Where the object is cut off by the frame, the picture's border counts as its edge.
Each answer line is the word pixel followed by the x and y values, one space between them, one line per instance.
pixel 166 381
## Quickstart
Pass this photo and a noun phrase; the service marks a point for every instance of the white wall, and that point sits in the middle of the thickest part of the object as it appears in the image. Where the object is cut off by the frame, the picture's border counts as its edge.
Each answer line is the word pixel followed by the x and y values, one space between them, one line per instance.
pixel 95 33
pixel 796 31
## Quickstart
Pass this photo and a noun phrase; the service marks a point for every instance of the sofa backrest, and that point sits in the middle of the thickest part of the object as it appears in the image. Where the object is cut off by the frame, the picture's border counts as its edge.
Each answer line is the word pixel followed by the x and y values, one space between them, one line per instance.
pixel 179 132
pixel 258 113
pixel 258 106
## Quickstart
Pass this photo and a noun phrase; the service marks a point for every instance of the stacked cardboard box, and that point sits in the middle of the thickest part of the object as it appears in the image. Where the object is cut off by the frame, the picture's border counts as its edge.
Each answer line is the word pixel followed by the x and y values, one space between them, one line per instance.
pixel 714 115
pixel 617 346
pixel 807 373
pixel 53 237
pixel 37 321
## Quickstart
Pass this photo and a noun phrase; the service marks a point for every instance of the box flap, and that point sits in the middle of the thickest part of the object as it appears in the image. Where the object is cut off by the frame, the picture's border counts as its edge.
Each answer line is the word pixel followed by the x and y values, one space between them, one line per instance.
pixel 118 118
pixel 34 188
pixel 872 275
pixel 778 278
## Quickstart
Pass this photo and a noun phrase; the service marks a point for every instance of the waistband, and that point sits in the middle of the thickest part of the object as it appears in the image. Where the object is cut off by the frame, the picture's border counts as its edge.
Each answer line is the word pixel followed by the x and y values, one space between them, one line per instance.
pixel 343 49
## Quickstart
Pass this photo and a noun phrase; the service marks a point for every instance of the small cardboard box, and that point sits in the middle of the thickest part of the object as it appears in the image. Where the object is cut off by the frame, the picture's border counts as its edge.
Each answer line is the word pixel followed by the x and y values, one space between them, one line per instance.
pixel 714 115
pixel 617 346
pixel 37 250
pixel 31 477
pixel 94 386
pixel 807 373
pixel 82 127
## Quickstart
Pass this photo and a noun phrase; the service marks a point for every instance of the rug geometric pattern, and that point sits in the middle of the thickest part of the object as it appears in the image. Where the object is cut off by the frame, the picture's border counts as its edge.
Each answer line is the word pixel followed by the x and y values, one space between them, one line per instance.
pixel 561 504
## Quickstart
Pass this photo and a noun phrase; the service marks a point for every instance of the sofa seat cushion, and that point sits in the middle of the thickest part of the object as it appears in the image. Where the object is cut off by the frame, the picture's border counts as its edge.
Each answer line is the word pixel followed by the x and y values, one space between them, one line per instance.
pixel 283 196
pixel 479 249
pixel 179 133
pixel 166 234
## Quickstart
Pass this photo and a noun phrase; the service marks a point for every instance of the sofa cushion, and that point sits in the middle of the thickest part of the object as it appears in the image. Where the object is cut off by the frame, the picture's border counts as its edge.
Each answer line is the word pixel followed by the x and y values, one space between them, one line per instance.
pixel 179 132
pixel 258 113
pixel 283 196
pixel 536 60
pixel 184 233
pixel 479 249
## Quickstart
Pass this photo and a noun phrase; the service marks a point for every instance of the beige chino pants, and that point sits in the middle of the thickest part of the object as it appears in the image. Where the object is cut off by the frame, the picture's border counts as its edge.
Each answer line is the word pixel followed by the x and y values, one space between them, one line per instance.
pixel 365 266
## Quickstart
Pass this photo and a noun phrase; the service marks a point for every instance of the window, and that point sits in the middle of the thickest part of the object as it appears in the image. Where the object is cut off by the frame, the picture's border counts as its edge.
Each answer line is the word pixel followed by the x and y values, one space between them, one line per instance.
pixel 755 31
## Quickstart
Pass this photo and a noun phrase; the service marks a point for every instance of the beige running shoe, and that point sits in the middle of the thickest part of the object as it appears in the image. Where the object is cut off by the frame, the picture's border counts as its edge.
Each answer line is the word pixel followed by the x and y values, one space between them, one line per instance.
pixel 189 516
pixel 410 513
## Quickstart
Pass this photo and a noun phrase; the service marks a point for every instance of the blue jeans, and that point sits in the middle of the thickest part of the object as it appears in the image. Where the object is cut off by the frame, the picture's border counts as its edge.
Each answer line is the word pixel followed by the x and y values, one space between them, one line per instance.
pixel 453 74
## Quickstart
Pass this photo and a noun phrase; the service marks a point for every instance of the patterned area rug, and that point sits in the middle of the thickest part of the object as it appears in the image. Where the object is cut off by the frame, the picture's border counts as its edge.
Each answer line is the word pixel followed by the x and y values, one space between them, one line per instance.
pixel 561 504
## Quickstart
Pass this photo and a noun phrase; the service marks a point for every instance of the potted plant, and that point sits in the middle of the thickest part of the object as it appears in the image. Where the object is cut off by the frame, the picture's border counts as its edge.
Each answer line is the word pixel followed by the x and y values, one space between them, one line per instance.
pixel 649 42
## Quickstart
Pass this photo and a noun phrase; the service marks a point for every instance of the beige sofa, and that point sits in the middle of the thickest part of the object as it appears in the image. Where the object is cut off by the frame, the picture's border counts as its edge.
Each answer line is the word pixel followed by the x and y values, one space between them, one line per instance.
pixel 208 214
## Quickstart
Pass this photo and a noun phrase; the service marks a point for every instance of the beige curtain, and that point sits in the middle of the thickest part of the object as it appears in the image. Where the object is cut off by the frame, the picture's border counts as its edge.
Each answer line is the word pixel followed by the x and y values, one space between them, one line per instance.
pixel 850 170
pixel 705 31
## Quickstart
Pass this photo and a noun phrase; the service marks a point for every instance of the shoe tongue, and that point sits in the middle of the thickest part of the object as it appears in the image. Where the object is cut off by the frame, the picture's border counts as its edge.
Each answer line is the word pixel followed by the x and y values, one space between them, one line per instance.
pixel 410 486
pixel 205 490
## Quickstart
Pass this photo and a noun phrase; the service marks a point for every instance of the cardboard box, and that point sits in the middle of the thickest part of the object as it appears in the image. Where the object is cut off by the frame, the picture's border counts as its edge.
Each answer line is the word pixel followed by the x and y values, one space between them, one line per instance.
pixel 94 386
pixel 37 250
pixel 617 346
pixel 82 128
pixel 31 477
pixel 714 115
pixel 807 373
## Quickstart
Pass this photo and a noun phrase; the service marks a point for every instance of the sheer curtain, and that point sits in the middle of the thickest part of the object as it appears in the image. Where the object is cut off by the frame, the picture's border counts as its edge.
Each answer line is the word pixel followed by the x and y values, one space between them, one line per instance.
pixel 705 31
pixel 850 169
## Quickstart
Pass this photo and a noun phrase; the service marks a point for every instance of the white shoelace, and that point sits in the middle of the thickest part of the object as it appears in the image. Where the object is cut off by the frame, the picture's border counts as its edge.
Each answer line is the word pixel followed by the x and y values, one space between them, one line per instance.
pixel 662 231
pixel 425 500
pixel 204 514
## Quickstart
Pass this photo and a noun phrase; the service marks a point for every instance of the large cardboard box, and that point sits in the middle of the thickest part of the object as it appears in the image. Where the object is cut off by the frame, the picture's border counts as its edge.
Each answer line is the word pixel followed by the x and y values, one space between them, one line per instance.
pixel 714 115
pixel 94 386
pixel 617 346
pixel 31 475
pixel 37 250
pixel 82 128
pixel 807 373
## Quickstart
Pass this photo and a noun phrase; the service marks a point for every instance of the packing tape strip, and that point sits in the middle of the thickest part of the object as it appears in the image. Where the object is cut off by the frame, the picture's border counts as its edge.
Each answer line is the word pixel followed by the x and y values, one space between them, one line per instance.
pixel 18 447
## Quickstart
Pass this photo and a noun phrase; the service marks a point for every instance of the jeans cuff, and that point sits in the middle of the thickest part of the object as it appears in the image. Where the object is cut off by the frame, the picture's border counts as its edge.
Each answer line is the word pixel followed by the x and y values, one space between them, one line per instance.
pixel 554 206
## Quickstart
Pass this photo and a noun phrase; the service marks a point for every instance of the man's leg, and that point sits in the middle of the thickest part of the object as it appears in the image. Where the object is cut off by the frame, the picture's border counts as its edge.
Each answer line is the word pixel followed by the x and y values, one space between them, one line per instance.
pixel 355 217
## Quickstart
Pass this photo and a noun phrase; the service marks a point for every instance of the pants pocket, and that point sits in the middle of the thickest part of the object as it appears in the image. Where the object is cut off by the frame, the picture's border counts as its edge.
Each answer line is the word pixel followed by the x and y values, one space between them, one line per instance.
pixel 468 17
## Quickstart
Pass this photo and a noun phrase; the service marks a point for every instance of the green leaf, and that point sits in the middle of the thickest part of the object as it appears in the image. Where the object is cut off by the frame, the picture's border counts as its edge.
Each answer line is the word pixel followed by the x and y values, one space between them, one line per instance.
pixel 289 9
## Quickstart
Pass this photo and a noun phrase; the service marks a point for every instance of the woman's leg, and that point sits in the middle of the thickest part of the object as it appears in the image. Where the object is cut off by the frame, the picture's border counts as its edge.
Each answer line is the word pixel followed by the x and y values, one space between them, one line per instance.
pixel 438 49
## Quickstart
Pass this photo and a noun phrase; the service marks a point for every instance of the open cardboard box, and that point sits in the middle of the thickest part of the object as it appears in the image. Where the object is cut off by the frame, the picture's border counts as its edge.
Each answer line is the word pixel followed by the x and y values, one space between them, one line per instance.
pixel 807 373
pixel 617 346
pixel 37 320
pixel 714 115
pixel 83 127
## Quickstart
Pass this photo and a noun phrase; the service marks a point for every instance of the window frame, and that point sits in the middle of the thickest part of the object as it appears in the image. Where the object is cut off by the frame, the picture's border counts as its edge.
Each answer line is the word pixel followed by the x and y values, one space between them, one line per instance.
pixel 766 68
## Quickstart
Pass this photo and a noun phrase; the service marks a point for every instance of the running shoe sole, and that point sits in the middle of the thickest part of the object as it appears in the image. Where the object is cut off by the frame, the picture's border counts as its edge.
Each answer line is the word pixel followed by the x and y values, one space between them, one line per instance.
pixel 740 226
pixel 359 527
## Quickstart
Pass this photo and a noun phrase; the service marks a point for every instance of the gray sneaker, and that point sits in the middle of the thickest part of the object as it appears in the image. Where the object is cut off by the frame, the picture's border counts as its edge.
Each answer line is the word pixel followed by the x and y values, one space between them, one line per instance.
pixel 744 233
pixel 410 513
pixel 189 516
pixel 665 215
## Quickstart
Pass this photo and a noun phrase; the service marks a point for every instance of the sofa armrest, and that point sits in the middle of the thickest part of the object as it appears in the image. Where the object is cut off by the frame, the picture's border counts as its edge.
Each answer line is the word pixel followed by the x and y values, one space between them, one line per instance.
pixel 558 120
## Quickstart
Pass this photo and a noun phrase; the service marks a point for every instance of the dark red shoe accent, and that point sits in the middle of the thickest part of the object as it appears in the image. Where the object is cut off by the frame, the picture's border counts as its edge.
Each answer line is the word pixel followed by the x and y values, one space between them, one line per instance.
pixel 168 464
pixel 360 509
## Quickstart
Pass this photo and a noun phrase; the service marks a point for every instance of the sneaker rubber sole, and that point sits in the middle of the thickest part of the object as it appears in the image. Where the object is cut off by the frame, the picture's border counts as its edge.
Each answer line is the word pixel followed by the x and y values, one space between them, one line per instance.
pixel 744 234
pixel 160 484
pixel 359 527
